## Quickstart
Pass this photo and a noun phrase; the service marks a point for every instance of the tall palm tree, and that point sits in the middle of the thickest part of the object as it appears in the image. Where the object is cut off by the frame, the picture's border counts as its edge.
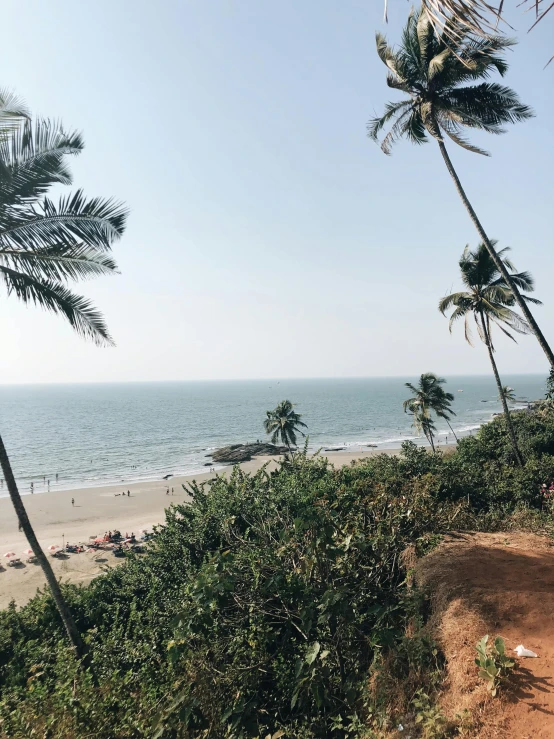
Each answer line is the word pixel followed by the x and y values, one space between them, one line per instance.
pixel 43 246
pixel 490 300
pixel 436 71
pixel 284 423
pixel 428 396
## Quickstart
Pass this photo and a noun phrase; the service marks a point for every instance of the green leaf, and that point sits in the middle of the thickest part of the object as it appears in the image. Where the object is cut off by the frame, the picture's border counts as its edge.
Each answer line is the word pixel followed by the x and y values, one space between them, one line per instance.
pixel 499 645
pixel 312 653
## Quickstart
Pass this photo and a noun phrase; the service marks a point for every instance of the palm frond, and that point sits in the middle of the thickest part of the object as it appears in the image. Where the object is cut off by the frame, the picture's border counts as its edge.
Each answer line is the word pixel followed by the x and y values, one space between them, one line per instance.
pixel 375 125
pixel 53 296
pixel 453 130
pixel 461 300
pixel 63 262
pixel 487 106
pixel 32 159
pixel 97 222
pixel 12 112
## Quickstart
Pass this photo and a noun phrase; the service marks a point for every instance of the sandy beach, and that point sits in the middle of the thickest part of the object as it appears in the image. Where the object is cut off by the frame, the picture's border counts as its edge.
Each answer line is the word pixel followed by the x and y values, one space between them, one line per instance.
pixel 97 510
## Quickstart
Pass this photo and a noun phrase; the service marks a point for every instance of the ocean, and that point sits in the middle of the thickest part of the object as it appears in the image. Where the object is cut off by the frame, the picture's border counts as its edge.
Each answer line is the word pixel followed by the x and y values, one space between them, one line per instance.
pixel 100 434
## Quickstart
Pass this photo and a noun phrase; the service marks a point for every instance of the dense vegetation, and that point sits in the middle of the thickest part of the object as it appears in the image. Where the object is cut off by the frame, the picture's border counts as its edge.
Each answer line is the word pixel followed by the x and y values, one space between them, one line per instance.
pixel 273 602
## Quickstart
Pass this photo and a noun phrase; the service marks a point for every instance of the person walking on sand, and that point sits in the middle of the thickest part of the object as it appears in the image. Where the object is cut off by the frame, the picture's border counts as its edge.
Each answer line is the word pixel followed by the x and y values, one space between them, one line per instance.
pixel 167 491
pixel 128 493
pixel 172 492
pixel 73 501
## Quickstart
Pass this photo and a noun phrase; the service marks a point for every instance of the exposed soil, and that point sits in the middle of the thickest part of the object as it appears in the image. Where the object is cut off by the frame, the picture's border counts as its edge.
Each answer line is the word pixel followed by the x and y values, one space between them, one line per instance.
pixel 501 585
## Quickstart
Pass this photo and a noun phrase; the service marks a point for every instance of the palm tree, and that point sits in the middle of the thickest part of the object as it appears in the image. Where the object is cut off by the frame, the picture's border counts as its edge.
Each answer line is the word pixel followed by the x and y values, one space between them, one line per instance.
pixel 432 68
pixel 441 403
pixel 44 245
pixel 509 393
pixel 489 299
pixel 284 423
pixel 428 396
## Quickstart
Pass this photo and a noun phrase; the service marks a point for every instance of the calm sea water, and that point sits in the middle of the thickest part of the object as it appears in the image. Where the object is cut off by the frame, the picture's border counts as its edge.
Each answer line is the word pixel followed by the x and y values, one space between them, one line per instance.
pixel 107 433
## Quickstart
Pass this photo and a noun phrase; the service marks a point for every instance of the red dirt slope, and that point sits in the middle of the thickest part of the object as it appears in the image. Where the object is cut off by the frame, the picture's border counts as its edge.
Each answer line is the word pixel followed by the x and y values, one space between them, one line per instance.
pixel 501 585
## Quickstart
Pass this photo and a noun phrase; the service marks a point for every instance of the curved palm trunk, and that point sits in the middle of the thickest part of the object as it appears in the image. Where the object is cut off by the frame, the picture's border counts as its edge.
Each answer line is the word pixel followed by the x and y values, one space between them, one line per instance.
pixel 492 251
pixel 501 393
pixel 451 429
pixel 25 524
pixel 429 434
pixel 430 437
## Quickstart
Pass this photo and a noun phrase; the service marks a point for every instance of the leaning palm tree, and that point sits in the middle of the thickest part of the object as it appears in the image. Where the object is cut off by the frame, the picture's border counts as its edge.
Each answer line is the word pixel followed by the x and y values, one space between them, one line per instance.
pixel 441 403
pixel 43 246
pixel 283 423
pixel 428 396
pixel 436 74
pixel 490 300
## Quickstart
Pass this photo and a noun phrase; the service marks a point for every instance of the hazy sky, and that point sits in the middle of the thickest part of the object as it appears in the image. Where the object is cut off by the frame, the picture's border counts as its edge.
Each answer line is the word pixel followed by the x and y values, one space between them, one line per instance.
pixel 268 236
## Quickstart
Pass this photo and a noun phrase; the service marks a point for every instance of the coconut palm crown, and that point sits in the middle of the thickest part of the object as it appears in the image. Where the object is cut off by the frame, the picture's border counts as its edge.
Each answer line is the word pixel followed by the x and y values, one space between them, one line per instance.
pixel 441 79
pixel 490 300
pixel 283 423
pixel 487 297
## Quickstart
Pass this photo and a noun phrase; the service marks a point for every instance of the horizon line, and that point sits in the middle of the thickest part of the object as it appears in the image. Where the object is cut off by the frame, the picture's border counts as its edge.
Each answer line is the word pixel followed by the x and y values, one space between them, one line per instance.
pixel 257 379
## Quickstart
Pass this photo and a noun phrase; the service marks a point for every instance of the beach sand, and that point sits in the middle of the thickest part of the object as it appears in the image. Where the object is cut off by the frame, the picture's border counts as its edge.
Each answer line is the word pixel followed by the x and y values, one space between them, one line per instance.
pixel 97 510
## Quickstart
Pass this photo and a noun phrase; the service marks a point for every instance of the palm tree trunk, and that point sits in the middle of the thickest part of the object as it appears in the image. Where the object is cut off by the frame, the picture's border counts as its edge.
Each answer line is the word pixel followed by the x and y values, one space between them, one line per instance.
pixel 492 251
pixel 451 429
pixel 429 434
pixel 25 524
pixel 430 437
pixel 501 393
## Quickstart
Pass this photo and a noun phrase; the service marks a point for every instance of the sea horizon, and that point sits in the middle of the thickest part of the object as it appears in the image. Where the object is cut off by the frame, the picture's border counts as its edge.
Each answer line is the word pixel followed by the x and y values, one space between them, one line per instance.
pixel 403 376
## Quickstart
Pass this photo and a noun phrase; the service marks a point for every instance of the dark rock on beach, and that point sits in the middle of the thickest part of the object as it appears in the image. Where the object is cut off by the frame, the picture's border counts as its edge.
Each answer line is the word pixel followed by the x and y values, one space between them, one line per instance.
pixel 245 452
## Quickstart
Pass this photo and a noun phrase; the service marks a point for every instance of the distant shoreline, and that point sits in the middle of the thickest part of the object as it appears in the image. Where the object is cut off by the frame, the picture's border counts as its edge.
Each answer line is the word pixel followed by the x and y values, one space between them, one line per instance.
pixel 350 449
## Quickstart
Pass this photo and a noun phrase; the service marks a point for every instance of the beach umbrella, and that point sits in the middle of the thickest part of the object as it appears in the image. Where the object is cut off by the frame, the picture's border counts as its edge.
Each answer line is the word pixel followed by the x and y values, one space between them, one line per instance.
pixel 9 554
pixel 53 547
pixel 28 552
pixel 99 540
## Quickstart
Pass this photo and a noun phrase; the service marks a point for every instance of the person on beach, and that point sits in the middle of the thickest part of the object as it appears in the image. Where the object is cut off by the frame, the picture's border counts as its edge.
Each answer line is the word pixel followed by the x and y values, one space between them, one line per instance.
pixel 56 477
pixel 167 491
pixel 172 493
pixel 72 501
pixel 48 484
pixel 128 493
pixel 32 488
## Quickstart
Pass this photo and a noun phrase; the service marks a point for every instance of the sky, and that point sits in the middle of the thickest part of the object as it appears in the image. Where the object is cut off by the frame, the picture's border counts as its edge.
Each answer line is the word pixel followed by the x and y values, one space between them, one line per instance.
pixel 268 236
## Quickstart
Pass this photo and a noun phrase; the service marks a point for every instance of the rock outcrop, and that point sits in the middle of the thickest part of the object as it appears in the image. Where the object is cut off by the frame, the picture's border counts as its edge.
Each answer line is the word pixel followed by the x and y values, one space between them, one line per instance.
pixel 245 452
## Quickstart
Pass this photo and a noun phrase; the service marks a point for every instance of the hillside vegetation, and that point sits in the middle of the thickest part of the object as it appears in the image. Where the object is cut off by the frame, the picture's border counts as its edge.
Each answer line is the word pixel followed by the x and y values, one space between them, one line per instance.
pixel 275 604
